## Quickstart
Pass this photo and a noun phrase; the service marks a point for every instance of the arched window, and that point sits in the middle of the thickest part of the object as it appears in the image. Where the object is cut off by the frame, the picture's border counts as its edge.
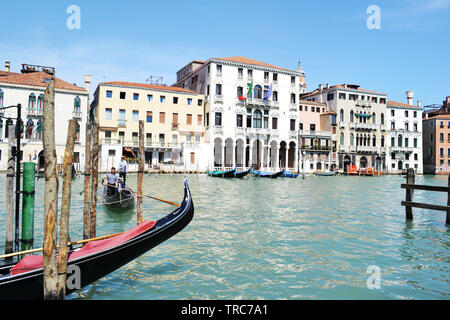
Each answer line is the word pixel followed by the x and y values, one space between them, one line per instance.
pixel 31 102
pixel 77 105
pixel 40 102
pixel 400 139
pixel 342 139
pixel 374 118
pixel 351 116
pixel 382 139
pixel 357 140
pixel 1 98
pixel 1 127
pixel 257 92
pixel 257 117
pixel 29 129
pixel 352 139
pixel 39 129
pixel 77 132
pixel 342 115
pixel 382 118
pixel 374 141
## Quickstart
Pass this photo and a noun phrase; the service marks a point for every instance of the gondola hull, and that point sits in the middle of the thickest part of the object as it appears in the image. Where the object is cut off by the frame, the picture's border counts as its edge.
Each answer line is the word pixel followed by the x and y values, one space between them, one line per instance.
pixel 268 175
pixel 325 174
pixel 241 174
pixel 221 174
pixel 29 285
pixel 120 200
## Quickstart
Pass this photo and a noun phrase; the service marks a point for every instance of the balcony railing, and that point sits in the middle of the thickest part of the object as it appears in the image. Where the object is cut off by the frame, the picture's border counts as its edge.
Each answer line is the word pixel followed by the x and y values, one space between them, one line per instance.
pixel 175 125
pixel 240 131
pixel 76 114
pixel 218 98
pixel 310 133
pixel 122 123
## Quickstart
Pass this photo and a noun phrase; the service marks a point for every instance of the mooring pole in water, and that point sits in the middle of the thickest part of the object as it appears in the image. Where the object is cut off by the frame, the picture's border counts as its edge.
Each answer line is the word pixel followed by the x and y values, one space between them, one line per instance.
pixel 94 187
pixel 51 194
pixel 29 174
pixel 409 193
pixel 447 219
pixel 9 239
pixel 18 158
pixel 65 210
pixel 140 172
pixel 87 178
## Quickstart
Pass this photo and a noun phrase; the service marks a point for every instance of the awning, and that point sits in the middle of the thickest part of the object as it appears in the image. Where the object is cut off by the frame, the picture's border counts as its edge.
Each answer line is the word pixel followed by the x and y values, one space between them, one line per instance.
pixel 129 150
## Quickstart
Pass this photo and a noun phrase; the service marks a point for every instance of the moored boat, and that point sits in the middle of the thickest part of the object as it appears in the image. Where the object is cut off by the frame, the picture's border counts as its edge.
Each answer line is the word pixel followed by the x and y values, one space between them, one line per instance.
pixel 221 174
pixel 325 173
pixel 122 198
pixel 241 174
pixel 266 174
pixel 288 174
pixel 24 280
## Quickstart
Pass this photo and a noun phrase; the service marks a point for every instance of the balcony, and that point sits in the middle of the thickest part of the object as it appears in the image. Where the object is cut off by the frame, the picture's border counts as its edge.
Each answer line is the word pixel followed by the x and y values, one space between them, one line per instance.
pixel 240 131
pixel 293 134
pixel 382 127
pixel 365 149
pixel 218 130
pixel 122 123
pixel 352 125
pixel 175 126
pixel 275 132
pixel 342 148
pixel 239 102
pixel 315 134
pixel 293 106
pixel 341 124
pixel 77 114
pixel 39 112
pixel 218 99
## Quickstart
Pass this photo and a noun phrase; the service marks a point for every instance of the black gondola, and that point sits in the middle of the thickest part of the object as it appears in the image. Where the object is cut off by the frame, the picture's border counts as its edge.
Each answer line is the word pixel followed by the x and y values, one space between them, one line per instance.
pixel 241 174
pixel 24 280
pixel 221 174
pixel 123 199
pixel 270 175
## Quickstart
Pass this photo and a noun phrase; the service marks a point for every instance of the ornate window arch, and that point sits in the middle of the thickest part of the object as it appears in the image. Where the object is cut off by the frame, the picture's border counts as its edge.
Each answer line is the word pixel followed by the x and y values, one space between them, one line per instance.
pixel 257 119
pixel 257 92
pixel 1 98
pixel 31 102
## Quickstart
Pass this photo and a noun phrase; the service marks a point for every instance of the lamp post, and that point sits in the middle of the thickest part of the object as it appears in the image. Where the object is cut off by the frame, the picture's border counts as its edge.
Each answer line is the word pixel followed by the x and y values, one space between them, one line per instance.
pixel 303 160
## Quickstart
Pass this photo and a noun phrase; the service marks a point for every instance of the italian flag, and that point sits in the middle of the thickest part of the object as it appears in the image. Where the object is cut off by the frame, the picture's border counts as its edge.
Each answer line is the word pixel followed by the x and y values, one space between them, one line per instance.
pixel 249 92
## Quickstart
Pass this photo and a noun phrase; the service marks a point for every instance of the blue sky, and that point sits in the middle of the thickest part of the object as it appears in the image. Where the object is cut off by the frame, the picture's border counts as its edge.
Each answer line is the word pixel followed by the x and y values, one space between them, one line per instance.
pixel 132 40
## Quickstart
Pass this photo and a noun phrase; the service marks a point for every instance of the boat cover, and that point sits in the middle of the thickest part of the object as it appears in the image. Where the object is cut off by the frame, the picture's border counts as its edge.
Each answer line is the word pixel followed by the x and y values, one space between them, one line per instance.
pixel 32 262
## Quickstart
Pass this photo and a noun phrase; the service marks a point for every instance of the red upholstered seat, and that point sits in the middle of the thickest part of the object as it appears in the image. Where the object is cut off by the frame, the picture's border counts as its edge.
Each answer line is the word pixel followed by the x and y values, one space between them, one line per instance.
pixel 31 262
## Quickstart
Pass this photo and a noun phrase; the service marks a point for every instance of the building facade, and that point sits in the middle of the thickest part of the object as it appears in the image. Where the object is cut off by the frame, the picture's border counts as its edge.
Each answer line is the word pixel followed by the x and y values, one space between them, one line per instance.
pixel 361 125
pixel 27 88
pixel 251 111
pixel 404 136
pixel 317 137
pixel 173 129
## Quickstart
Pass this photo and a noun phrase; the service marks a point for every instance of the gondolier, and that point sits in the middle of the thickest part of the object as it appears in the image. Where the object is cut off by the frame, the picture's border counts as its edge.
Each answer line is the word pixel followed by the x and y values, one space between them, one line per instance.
pixel 123 169
pixel 113 181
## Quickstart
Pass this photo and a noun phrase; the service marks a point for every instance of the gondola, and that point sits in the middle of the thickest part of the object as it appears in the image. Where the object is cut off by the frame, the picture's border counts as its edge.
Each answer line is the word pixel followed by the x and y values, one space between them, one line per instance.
pixel 265 174
pixel 123 199
pixel 24 280
pixel 288 174
pixel 241 174
pixel 221 174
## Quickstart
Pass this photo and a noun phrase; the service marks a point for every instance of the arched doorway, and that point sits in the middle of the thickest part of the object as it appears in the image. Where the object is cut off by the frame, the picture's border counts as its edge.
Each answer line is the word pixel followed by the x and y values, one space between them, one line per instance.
pixel 291 155
pixel 378 164
pixel 218 158
pixel 273 162
pixel 347 163
pixel 239 153
pixel 400 165
pixel 229 152
pixel 41 160
pixel 363 162
pixel 256 153
pixel 282 154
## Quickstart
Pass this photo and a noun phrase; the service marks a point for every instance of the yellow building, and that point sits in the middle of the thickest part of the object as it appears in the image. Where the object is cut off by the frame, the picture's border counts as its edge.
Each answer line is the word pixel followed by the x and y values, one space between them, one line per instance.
pixel 173 124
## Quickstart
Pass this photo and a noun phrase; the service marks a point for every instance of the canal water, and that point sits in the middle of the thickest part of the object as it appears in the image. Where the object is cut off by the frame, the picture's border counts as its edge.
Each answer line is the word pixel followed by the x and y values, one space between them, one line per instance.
pixel 276 239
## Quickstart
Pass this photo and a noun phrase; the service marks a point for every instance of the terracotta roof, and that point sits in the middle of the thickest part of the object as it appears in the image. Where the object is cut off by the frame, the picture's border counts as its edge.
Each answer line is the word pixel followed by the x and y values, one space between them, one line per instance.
pixel 400 104
pixel 245 60
pixel 329 112
pixel 147 86
pixel 312 102
pixel 340 86
pixel 441 116
pixel 36 79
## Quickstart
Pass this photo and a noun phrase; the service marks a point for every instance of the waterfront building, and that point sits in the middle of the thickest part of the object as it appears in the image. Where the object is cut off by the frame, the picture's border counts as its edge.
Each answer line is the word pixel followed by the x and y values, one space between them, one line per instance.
pixel 404 136
pixel 361 124
pixel 317 137
pixel 251 111
pixel 436 138
pixel 27 87
pixel 173 129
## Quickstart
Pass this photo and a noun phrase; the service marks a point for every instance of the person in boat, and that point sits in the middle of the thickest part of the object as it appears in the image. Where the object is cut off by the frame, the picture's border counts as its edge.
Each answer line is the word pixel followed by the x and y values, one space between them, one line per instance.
pixel 113 181
pixel 121 184
pixel 123 169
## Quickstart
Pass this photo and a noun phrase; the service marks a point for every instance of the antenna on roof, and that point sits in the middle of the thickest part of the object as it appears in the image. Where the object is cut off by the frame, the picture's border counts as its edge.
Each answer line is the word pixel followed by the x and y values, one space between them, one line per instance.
pixel 155 80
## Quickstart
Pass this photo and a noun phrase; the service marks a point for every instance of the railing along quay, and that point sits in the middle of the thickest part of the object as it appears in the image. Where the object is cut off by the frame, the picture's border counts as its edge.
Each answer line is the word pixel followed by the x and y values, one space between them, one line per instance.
pixel 410 204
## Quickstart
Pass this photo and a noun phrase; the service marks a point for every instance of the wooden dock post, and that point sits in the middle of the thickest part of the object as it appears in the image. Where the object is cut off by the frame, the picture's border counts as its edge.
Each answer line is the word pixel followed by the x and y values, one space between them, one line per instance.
pixel 87 178
pixel 65 210
pixel 9 239
pixel 140 172
pixel 447 219
pixel 51 194
pixel 93 218
pixel 410 178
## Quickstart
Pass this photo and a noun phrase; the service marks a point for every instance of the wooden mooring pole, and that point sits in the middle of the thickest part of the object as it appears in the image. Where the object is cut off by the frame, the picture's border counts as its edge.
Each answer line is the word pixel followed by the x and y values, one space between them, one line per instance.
pixel 410 178
pixel 140 172
pixel 93 217
pixel 65 210
pixel 9 239
pixel 87 179
pixel 51 194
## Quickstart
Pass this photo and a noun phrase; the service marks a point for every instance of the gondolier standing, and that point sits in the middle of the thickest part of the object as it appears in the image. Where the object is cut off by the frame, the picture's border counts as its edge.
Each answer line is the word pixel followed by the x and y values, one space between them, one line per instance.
pixel 113 181
pixel 123 170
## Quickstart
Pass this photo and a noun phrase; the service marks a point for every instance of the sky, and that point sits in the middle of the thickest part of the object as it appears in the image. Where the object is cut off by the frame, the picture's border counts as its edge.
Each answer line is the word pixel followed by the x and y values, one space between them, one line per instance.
pixel 133 40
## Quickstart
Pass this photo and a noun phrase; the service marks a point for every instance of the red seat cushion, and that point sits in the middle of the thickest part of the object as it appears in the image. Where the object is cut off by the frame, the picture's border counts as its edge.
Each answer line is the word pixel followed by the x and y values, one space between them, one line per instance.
pixel 31 262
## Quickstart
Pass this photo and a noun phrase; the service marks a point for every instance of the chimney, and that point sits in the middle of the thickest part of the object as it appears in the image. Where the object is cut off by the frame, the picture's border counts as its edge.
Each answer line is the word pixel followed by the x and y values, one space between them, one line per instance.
pixel 299 68
pixel 410 97
pixel 328 86
pixel 419 104
pixel 320 87
pixel 7 66
pixel 87 82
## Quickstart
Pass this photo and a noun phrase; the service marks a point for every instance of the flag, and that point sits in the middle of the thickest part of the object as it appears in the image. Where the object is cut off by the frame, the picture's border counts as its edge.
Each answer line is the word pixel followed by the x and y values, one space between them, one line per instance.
pixel 250 89
pixel 269 93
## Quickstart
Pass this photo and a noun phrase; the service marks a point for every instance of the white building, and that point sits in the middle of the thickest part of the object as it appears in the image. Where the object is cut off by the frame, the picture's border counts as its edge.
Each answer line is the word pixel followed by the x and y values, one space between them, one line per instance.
pixel 257 128
pixel 27 88
pixel 404 136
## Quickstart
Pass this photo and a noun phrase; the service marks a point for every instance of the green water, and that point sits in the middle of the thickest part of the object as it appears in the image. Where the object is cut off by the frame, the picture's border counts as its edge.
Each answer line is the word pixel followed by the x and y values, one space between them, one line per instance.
pixel 277 239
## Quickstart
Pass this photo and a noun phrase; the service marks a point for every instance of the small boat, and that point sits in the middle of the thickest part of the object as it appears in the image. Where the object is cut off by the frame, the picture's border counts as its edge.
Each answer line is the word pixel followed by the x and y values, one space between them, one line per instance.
pixel 24 280
pixel 288 174
pixel 266 174
pixel 325 174
pixel 241 174
pixel 221 174
pixel 120 199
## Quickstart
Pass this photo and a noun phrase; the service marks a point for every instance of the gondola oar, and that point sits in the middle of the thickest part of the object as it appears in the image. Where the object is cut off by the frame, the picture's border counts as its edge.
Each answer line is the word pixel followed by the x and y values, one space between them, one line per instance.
pixel 162 200
pixel 70 244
